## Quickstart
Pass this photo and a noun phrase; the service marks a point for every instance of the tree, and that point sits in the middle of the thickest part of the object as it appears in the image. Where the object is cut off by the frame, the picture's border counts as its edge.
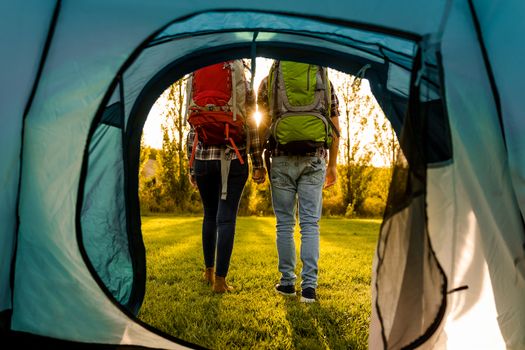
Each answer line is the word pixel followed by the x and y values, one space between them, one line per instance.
pixel 385 139
pixel 368 141
pixel 144 156
pixel 171 159
pixel 356 108
pixel 149 190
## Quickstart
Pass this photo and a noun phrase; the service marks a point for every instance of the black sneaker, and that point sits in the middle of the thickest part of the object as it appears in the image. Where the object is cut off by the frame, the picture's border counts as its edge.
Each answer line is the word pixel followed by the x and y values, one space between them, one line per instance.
pixel 285 290
pixel 308 295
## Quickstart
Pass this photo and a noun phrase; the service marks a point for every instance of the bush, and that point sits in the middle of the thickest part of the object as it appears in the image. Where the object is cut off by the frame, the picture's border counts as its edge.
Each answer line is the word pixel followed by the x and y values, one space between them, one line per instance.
pixel 373 207
pixel 261 200
pixel 333 205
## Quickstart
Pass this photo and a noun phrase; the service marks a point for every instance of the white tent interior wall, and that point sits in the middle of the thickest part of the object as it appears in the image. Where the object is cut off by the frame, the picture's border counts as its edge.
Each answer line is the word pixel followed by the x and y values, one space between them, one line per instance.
pixel 64 62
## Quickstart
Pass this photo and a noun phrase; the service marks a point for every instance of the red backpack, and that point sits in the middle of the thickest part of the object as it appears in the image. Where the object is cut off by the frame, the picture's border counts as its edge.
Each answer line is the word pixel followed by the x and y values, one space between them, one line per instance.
pixel 216 107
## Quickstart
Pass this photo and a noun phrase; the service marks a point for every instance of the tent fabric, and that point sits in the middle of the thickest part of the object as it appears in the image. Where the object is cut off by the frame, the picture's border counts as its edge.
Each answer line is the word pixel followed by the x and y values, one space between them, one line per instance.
pixel 470 215
pixel 103 218
pixel 103 214
pixel 24 31
pixel 502 38
pixel 485 223
pixel 480 150
pixel 409 280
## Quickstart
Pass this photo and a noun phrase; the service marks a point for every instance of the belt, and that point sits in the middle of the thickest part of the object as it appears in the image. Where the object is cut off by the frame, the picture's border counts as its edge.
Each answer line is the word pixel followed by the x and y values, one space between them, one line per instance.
pixel 320 152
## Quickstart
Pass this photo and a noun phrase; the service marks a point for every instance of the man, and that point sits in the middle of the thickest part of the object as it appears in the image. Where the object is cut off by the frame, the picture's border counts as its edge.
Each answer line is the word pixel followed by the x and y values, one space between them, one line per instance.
pixel 302 127
pixel 221 107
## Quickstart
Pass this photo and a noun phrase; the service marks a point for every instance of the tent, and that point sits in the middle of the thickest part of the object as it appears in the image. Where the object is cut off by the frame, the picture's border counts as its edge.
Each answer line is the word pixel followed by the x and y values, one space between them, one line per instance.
pixel 77 80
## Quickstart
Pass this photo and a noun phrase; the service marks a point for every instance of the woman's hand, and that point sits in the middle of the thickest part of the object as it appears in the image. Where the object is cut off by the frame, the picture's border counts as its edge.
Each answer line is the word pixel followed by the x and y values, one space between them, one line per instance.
pixel 193 181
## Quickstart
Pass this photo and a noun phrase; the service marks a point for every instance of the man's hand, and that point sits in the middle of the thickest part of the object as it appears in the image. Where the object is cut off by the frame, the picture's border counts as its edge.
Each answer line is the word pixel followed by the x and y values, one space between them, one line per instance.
pixel 193 181
pixel 331 176
pixel 331 170
pixel 259 175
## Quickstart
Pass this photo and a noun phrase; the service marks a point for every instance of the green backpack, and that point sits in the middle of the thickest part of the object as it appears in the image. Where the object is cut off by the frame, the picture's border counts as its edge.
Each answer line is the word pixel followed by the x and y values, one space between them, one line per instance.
pixel 299 99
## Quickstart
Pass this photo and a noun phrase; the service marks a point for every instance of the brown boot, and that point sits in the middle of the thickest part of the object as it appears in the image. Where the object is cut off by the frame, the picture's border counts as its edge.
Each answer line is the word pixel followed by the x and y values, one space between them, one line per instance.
pixel 220 285
pixel 209 276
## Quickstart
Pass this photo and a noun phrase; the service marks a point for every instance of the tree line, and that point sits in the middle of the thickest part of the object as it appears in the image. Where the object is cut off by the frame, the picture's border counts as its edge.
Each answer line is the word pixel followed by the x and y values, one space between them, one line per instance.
pixel 366 154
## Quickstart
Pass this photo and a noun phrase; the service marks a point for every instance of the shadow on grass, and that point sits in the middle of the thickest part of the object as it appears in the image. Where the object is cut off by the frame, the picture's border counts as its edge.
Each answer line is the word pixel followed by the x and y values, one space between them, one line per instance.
pixel 315 326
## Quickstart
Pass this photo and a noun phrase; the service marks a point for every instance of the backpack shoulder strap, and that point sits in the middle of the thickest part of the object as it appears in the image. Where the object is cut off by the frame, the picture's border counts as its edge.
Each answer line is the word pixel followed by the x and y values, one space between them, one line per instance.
pixel 273 88
pixel 328 91
pixel 234 89
pixel 328 95
pixel 189 92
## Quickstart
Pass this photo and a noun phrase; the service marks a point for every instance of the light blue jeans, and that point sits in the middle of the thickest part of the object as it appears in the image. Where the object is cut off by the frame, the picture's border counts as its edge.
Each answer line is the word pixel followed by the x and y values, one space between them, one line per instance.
pixel 297 181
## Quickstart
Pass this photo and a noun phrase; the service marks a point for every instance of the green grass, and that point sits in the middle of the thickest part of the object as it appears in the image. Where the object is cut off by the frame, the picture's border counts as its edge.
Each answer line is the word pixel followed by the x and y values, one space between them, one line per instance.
pixel 254 316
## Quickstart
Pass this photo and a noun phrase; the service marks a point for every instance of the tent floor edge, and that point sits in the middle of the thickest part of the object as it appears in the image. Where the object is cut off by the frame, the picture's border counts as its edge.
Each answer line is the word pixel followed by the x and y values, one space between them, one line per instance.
pixel 19 340
pixel 5 321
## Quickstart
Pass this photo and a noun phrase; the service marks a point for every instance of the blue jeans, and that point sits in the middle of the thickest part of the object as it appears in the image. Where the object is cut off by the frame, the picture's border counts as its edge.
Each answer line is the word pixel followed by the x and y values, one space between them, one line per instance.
pixel 220 216
pixel 298 180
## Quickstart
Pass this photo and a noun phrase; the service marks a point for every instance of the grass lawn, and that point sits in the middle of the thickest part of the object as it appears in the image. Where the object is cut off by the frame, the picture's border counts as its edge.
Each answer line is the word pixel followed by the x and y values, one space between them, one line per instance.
pixel 255 317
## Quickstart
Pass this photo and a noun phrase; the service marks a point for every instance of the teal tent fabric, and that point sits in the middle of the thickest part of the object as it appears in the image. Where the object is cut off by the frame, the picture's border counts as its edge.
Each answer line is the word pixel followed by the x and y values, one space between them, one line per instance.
pixel 103 213
pixel 23 30
pixel 506 53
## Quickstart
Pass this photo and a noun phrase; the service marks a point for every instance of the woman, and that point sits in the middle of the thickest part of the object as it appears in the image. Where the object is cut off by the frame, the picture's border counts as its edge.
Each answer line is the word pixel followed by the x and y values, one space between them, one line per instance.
pixel 221 116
